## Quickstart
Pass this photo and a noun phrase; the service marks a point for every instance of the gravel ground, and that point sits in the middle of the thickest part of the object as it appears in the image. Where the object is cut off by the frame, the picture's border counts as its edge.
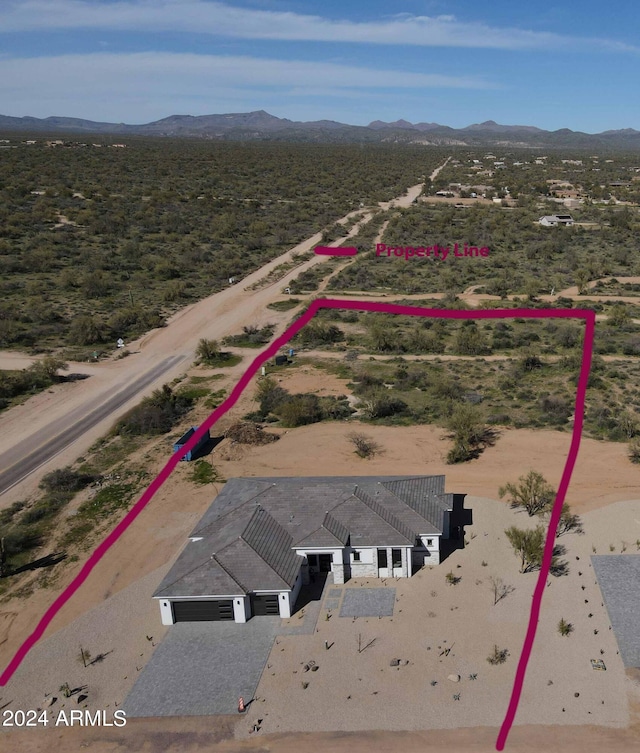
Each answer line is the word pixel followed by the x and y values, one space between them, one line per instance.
pixel 619 579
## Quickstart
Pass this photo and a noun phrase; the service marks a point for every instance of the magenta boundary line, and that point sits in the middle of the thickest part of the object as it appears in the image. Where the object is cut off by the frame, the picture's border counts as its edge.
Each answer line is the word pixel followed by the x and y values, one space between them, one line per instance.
pixel 335 251
pixel 269 352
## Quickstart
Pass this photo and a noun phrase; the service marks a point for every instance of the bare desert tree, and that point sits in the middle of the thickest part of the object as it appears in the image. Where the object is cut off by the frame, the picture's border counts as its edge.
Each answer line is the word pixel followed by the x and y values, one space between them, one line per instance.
pixel 500 589
pixel 568 521
pixel 365 447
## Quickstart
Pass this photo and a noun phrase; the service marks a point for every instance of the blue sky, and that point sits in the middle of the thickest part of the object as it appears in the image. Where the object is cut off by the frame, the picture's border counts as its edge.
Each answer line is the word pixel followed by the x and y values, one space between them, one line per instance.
pixel 553 65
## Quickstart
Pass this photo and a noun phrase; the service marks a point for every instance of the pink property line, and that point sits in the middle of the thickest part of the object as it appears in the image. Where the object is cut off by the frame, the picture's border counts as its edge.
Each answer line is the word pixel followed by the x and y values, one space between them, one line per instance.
pixel 389 308
pixel 337 251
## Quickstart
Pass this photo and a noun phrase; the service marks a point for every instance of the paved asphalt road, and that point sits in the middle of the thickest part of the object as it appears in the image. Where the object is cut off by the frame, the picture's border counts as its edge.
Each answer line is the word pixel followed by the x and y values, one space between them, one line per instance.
pixel 24 458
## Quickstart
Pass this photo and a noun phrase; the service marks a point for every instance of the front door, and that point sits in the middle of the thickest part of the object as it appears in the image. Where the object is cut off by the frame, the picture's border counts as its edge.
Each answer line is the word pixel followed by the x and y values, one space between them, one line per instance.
pixel 319 563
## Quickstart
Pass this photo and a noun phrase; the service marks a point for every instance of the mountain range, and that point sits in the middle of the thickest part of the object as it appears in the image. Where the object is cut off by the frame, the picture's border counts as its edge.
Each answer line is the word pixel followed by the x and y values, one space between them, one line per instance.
pixel 261 126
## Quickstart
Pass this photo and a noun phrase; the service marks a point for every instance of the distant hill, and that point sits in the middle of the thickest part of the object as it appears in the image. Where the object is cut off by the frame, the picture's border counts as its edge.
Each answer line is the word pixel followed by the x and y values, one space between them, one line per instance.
pixel 263 126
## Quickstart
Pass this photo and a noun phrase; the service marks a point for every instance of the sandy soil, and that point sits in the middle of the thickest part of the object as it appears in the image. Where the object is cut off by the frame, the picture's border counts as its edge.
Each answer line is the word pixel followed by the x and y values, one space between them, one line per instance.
pixel 116 601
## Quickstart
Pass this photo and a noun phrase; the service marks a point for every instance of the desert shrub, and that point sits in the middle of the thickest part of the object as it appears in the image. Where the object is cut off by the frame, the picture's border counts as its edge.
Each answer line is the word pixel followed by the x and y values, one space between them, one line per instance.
pixel 156 414
pixel 365 447
pixel 564 627
pixel 529 546
pixel 556 408
pixel 66 480
pixel 469 432
pixel 633 451
pixel 299 410
pixel 208 351
pixel 204 473
pixel 193 392
pixel 532 493
pixel 289 303
pixel 134 320
pixel 317 333
pixel 9 513
pixel 366 383
pixel 382 405
pixel 498 655
pixel 87 330
pixel 22 539
pixel 270 395
pixel 335 408
pixel 470 340
pixel 251 336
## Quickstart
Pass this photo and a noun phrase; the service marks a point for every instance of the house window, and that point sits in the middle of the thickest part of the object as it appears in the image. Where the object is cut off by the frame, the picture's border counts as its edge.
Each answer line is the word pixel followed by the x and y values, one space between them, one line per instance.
pixel 382 558
pixel 429 542
pixel 396 557
pixel 356 556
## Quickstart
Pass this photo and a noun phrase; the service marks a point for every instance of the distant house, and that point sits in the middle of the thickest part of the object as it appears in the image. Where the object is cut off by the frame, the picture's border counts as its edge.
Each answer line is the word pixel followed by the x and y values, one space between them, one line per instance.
pixel 553 220
pixel 264 538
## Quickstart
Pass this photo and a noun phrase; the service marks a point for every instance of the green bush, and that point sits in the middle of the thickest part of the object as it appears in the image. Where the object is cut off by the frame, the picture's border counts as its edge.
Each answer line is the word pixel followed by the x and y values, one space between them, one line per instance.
pixel 299 410
pixel 66 480
pixel 156 414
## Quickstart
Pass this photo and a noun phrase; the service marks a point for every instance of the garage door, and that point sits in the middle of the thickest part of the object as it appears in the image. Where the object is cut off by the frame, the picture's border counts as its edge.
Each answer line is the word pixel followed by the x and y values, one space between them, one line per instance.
pixel 267 604
pixel 202 611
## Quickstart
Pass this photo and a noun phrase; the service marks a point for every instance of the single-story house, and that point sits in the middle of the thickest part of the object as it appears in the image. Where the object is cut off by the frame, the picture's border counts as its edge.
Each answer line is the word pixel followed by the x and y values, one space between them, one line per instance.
pixel 263 538
pixel 553 220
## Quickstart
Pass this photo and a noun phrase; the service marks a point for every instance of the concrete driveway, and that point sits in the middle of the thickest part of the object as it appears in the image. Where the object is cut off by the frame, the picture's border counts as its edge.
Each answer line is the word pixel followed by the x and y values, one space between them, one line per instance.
pixel 201 668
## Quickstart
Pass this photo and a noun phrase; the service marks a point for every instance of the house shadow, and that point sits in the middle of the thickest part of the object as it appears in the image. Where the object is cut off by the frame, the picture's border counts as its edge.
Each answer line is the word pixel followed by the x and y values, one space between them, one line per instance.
pixel 311 592
pixel 460 517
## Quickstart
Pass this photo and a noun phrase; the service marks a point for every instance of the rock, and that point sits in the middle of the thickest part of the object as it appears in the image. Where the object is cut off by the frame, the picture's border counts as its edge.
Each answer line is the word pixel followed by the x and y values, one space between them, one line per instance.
pixel 394 663
pixel 51 701
pixel 453 678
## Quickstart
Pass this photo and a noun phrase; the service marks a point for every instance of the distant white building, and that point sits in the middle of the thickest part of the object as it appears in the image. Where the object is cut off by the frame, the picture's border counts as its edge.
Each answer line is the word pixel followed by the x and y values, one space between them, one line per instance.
pixel 553 220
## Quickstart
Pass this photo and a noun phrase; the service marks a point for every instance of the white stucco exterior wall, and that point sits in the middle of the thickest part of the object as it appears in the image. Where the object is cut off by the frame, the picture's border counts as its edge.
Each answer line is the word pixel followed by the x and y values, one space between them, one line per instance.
pixel 166 613
pixel 241 609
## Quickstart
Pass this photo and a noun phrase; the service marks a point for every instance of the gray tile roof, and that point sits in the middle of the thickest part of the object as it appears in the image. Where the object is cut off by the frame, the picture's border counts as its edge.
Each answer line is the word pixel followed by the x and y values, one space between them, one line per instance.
pixel 254 523
pixel 273 545
pixel 366 526
pixel 425 495
pixel 336 528
pixel 385 513
pixel 198 573
pixel 331 533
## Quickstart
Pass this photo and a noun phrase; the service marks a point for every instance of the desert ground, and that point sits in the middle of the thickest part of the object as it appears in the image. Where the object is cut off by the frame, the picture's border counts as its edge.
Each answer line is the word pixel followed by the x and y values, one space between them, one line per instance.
pixel 115 601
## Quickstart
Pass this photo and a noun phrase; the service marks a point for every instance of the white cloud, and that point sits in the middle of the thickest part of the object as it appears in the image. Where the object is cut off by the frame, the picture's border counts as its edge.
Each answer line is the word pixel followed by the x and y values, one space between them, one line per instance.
pixel 152 84
pixel 198 16
pixel 162 69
